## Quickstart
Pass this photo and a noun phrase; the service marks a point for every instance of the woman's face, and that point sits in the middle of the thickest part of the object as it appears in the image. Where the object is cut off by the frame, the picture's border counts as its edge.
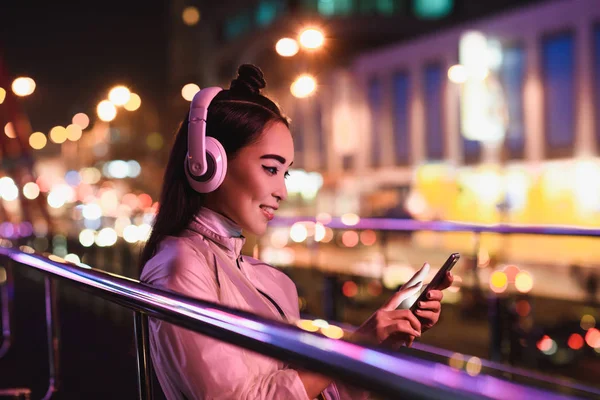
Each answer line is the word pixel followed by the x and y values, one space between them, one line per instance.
pixel 255 181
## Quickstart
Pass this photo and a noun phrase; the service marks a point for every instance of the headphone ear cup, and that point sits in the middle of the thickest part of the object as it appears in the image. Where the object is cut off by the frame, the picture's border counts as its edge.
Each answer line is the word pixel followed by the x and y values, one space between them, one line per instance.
pixel 216 163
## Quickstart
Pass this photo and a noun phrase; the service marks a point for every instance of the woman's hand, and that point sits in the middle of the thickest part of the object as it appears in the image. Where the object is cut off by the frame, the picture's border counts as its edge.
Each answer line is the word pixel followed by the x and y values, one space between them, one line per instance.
pixel 429 310
pixel 393 327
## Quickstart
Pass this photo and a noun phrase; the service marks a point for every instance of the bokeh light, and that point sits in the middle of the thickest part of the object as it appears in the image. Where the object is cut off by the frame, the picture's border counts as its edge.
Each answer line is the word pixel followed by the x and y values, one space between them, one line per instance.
pixel 592 338
pixel 587 322
pixel 58 134
pixel 155 141
pixel 350 219
pixel 74 132
pixel 106 111
pixel 457 74
pixel 189 91
pixel 9 130
pixel 575 341
pixel 2 95
pixel 349 289
pixel 23 86
pixel 368 237
pixel 333 332
pixel 287 47
pixel 350 238
pixel 298 232
pixel 134 102
pixel 119 95
pixel 190 16
pixel 498 281
pixel 312 38
pixel 81 119
pixel 87 237
pixel 74 258
pixel 37 140
pixel 456 361
pixel 524 282
pixel 31 190
pixel 303 86
pixel 473 366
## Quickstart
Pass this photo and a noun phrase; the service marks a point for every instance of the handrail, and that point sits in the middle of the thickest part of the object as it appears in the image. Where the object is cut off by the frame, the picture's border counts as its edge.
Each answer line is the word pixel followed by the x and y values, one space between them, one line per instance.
pixel 409 225
pixel 371 368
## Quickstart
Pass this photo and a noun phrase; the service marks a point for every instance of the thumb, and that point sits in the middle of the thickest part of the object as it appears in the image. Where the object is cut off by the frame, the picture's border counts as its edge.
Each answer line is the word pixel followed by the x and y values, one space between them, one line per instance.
pixel 400 296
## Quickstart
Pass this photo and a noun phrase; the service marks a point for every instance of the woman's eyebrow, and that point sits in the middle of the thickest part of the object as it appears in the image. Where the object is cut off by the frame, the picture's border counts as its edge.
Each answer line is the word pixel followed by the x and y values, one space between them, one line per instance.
pixel 275 157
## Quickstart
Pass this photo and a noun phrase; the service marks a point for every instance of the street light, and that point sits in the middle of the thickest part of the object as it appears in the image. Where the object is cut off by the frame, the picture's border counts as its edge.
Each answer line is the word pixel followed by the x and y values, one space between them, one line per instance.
pixel 458 74
pixel 189 91
pixel 287 47
pixel 134 102
pixel 303 86
pixel 23 86
pixel 119 95
pixel 312 38
pixel 106 111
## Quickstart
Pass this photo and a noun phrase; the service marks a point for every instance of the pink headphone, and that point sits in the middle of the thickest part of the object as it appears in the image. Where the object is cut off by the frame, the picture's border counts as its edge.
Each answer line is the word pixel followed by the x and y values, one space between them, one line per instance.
pixel 206 160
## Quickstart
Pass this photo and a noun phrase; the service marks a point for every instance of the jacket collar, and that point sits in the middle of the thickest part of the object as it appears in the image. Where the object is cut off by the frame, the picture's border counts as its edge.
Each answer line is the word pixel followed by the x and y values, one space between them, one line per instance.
pixel 219 229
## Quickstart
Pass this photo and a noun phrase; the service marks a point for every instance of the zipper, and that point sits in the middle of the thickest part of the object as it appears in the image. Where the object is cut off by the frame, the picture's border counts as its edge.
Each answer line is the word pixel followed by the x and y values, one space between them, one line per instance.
pixel 237 261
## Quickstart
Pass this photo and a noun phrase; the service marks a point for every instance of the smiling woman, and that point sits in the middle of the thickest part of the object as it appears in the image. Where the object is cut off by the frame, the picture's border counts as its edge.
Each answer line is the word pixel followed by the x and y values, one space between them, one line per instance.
pixel 235 183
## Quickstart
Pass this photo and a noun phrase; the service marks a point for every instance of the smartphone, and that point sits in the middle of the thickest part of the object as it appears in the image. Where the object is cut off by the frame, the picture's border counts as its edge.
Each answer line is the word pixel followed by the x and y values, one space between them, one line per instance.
pixel 437 279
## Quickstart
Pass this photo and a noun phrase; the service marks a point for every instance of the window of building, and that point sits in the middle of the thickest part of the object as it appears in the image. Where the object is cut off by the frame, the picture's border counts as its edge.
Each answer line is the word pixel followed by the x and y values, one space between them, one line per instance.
pixel 558 65
pixel 375 97
pixel 432 9
pixel 237 25
pixel 298 131
pixel 512 77
pixel 330 8
pixel 320 132
pixel 434 135
pixel 267 11
pixel 384 7
pixel 401 104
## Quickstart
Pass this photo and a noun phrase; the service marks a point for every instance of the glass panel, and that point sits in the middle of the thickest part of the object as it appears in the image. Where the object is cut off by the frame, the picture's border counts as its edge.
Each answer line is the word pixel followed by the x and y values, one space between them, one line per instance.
pixel 401 118
pixel 512 75
pixel 434 135
pixel 558 66
pixel 375 103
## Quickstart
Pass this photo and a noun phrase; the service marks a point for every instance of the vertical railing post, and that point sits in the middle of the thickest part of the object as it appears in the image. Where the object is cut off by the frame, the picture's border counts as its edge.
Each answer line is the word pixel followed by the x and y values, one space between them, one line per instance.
pixel 52 334
pixel 144 366
pixel 6 296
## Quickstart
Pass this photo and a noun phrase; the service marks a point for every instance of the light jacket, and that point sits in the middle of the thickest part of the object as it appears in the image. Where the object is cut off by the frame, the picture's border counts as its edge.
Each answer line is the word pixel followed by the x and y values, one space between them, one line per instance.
pixel 205 262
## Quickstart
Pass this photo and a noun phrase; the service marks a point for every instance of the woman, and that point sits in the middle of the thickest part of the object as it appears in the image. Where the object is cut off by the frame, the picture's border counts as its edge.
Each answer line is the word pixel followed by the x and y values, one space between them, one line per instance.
pixel 194 249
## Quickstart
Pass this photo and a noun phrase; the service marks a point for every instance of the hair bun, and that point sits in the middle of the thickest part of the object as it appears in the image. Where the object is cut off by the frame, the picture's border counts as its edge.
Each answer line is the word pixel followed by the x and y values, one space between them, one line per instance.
pixel 250 80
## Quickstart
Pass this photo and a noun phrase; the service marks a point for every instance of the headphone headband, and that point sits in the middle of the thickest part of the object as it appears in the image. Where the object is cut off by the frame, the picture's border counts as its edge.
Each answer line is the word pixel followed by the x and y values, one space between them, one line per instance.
pixel 197 130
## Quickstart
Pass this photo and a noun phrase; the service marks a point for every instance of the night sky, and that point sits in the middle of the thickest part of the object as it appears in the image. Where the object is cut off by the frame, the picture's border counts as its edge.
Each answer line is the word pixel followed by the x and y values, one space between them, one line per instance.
pixel 77 50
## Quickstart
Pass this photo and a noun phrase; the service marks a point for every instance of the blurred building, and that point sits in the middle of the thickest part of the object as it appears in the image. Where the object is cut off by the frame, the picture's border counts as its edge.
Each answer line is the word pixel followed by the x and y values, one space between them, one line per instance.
pixel 490 121
pixel 208 41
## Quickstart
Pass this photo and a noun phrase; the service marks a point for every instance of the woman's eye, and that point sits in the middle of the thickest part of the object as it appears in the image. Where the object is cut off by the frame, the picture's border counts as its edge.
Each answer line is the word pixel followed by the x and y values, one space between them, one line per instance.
pixel 271 170
pixel 286 175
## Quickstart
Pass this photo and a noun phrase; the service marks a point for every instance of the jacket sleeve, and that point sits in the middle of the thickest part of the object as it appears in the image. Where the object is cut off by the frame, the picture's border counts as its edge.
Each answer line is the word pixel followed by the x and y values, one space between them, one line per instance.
pixel 347 392
pixel 204 368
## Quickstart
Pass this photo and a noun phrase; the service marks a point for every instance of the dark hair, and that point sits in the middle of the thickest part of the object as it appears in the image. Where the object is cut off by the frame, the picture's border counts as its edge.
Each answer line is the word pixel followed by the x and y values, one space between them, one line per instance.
pixel 236 118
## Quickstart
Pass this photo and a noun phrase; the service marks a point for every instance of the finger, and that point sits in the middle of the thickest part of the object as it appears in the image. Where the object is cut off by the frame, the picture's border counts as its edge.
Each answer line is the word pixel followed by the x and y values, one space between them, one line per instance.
pixel 402 327
pixel 429 318
pixel 400 296
pixel 398 315
pixel 447 282
pixel 435 295
pixel 434 306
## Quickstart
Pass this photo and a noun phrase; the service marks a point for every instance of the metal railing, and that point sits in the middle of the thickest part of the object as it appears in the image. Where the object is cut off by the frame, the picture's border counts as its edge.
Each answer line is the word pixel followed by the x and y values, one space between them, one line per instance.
pixel 374 369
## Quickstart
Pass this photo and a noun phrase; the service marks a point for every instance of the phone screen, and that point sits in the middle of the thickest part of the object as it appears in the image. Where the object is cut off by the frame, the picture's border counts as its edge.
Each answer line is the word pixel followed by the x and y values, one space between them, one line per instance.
pixel 438 278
